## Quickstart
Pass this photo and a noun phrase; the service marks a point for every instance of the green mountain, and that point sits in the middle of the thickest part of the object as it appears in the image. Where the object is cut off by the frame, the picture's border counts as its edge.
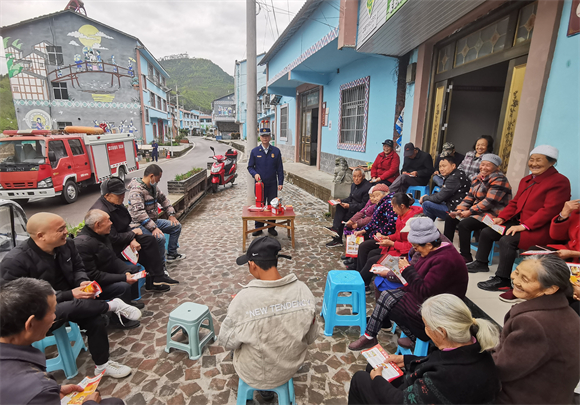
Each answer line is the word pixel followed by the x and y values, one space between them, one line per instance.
pixel 199 81
pixel 7 113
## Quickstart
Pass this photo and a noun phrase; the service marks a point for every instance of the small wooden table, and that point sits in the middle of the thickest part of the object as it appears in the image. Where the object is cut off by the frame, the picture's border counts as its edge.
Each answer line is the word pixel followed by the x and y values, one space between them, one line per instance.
pixel 287 221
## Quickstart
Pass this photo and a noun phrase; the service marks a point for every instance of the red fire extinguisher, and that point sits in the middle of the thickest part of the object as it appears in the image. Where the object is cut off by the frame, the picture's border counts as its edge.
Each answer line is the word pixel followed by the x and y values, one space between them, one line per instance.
pixel 259 194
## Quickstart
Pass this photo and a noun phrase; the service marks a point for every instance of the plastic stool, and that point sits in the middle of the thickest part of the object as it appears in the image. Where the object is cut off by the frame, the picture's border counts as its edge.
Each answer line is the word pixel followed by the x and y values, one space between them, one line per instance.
pixel 421 347
pixel 140 283
pixel 423 190
pixel 285 393
pixel 338 281
pixel 436 189
pixel 67 354
pixel 474 246
pixel 189 317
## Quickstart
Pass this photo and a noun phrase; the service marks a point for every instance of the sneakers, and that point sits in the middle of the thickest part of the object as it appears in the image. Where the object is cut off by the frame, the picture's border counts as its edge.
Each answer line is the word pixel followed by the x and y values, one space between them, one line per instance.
pixel 335 242
pixel 113 369
pixel 509 297
pixel 257 233
pixel 164 280
pixel 495 283
pixel 123 323
pixel 127 311
pixel 363 343
pixel 331 229
pixel 477 267
pixel 174 257
pixel 273 231
pixel 343 257
pixel 157 288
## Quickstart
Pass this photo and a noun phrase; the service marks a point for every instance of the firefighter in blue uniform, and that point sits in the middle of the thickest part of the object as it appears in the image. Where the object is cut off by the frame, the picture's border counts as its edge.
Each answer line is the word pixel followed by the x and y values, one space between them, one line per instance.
pixel 265 164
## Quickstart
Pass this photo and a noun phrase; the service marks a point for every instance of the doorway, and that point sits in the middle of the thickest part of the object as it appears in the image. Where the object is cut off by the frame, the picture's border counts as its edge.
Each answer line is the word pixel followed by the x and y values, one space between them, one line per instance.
pixel 309 128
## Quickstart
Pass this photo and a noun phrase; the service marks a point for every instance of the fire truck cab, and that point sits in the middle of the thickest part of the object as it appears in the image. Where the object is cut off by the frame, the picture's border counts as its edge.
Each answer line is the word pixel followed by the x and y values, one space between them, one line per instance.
pixel 37 165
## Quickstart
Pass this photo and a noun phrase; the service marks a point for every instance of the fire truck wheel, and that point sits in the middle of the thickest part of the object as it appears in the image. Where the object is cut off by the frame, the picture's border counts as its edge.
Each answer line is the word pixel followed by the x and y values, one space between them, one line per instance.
pixel 21 201
pixel 122 173
pixel 214 187
pixel 70 192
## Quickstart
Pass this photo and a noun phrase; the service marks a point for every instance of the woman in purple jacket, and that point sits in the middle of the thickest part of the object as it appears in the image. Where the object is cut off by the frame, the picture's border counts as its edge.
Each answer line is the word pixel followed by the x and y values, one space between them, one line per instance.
pixel 441 269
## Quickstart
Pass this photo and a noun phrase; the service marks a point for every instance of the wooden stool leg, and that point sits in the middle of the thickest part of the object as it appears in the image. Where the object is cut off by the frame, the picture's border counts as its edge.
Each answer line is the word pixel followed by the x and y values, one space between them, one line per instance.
pixel 292 232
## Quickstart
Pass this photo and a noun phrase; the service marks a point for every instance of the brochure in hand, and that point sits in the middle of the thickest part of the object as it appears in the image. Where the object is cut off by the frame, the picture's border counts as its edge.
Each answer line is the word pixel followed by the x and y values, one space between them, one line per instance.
pixel 89 384
pixel 130 255
pixel 333 202
pixel 488 220
pixel 138 275
pixel 574 273
pixel 93 287
pixel 391 263
pixel 377 356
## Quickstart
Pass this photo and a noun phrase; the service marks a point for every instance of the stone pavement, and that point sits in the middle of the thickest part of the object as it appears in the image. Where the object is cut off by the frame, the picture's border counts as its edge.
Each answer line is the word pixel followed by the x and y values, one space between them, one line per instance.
pixel 211 238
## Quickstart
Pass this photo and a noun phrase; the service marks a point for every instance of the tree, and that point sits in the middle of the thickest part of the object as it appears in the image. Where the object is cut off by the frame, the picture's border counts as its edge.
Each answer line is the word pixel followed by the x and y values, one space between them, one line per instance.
pixel 7 112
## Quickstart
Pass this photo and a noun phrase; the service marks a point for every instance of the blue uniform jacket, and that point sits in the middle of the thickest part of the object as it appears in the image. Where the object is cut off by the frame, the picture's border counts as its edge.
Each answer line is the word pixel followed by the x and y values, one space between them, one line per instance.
pixel 267 166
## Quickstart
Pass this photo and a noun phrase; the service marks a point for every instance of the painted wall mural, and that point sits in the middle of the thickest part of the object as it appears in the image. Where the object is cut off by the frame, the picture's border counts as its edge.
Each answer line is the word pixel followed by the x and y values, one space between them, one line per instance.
pixel 38 119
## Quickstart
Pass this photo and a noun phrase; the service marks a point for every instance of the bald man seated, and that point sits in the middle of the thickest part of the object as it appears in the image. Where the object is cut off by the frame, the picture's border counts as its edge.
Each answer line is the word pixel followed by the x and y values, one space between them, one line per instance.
pixel 115 276
pixel 48 255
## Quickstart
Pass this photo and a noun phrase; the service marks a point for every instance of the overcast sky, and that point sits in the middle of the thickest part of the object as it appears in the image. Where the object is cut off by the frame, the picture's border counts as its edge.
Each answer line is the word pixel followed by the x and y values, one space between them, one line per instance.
pixel 210 29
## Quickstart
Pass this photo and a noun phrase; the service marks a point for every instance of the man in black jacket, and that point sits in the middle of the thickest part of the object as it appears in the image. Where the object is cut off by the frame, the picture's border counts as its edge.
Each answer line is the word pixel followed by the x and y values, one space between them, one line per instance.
pixel 417 169
pixel 122 235
pixel 359 195
pixel 27 313
pixel 115 276
pixel 455 187
pixel 49 255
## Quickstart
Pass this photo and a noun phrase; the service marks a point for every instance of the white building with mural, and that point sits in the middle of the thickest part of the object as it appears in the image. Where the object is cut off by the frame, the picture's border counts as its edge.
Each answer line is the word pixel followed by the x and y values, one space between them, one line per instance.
pixel 68 69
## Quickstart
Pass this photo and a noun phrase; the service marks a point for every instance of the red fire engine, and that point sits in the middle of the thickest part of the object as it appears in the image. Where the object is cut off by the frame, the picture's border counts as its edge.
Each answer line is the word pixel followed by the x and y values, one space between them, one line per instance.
pixel 39 163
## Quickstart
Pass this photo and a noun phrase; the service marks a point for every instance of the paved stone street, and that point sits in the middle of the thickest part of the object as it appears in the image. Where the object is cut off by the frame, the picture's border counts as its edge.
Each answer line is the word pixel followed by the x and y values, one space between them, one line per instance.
pixel 212 241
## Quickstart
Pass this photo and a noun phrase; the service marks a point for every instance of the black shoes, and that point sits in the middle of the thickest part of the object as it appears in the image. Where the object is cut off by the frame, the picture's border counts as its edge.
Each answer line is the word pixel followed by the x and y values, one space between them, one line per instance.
pixel 477 267
pixel 343 257
pixel 257 233
pixel 273 231
pixel 335 242
pixel 126 323
pixel 174 257
pixel 164 280
pixel 495 283
pixel 157 288
pixel 137 304
pixel 348 261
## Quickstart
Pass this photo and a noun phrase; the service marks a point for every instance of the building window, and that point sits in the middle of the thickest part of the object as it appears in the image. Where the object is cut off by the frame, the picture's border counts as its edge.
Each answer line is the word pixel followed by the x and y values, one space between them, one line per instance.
pixel 164 105
pixel 353 114
pixel 526 22
pixel 157 81
pixel 54 55
pixel 152 98
pixel 159 105
pixel 284 122
pixel 62 124
pixel 60 91
pixel 76 147
pixel 144 82
pixel 150 71
pixel 163 80
pixel 147 115
pixel 484 42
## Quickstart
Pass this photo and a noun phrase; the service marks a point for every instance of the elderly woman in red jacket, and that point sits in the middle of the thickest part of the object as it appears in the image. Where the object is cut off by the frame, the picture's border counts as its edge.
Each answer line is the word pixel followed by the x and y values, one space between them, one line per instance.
pixel 385 169
pixel 566 226
pixel 541 195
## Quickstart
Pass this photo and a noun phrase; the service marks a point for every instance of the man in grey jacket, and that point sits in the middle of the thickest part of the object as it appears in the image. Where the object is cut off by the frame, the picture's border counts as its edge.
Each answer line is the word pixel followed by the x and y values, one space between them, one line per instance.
pixel 270 322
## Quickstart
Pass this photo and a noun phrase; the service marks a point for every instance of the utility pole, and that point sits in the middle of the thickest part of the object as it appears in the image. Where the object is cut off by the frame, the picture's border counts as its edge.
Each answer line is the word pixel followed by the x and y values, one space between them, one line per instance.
pixel 252 90
pixel 178 121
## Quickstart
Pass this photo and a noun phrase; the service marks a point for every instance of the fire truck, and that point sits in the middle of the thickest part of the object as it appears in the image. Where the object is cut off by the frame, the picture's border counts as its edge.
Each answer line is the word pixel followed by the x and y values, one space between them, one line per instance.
pixel 43 163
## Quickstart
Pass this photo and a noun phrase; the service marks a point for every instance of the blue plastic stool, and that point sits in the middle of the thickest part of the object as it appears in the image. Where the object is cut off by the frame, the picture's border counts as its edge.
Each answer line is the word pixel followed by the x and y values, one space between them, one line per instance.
pixel 338 281
pixel 189 317
pixel 140 283
pixel 421 347
pixel 436 189
pixel 492 253
pixel 423 190
pixel 67 354
pixel 285 393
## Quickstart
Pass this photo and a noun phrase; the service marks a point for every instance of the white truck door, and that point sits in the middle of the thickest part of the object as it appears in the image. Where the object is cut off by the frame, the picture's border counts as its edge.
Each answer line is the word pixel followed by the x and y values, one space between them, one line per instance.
pixel 101 162
pixel 130 155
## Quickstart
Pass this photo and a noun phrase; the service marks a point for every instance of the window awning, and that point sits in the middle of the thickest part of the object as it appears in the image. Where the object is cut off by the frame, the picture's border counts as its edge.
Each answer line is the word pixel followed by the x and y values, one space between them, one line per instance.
pixel 414 22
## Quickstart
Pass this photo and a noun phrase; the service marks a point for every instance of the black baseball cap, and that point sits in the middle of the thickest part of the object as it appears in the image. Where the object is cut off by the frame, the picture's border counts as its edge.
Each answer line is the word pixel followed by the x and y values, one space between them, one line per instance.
pixel 389 142
pixel 114 185
pixel 264 248
pixel 409 149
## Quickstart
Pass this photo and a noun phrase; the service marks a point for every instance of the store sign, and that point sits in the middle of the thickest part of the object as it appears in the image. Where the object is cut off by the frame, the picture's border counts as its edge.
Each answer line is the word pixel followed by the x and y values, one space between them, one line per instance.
pixel 393 7
pixel 370 4
pixel 574 24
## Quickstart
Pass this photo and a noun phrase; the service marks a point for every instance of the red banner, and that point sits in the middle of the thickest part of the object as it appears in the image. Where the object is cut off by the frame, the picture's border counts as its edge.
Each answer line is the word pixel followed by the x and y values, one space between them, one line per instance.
pixel 574 24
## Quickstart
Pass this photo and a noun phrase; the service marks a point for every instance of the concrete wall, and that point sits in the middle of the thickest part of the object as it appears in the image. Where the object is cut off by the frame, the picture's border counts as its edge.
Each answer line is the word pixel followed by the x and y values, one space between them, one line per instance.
pixel 287 146
pixel 381 109
pixel 560 120
pixel 93 98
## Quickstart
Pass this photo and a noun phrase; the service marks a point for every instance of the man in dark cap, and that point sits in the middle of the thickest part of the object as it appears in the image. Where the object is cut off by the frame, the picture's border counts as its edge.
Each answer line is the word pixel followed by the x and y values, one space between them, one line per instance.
pixel 121 235
pixel 270 322
pixel 417 169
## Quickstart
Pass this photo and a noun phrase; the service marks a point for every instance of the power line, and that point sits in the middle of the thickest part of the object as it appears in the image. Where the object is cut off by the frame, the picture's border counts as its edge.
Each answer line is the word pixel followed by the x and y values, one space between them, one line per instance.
pixel 275 20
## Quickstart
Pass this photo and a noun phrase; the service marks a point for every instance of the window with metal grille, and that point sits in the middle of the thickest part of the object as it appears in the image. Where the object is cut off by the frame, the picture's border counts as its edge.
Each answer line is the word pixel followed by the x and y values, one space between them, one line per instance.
pixel 150 71
pixel 147 115
pixel 352 120
pixel 62 124
pixel 152 98
pixel 54 55
pixel 60 91
pixel 284 122
pixel 144 82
